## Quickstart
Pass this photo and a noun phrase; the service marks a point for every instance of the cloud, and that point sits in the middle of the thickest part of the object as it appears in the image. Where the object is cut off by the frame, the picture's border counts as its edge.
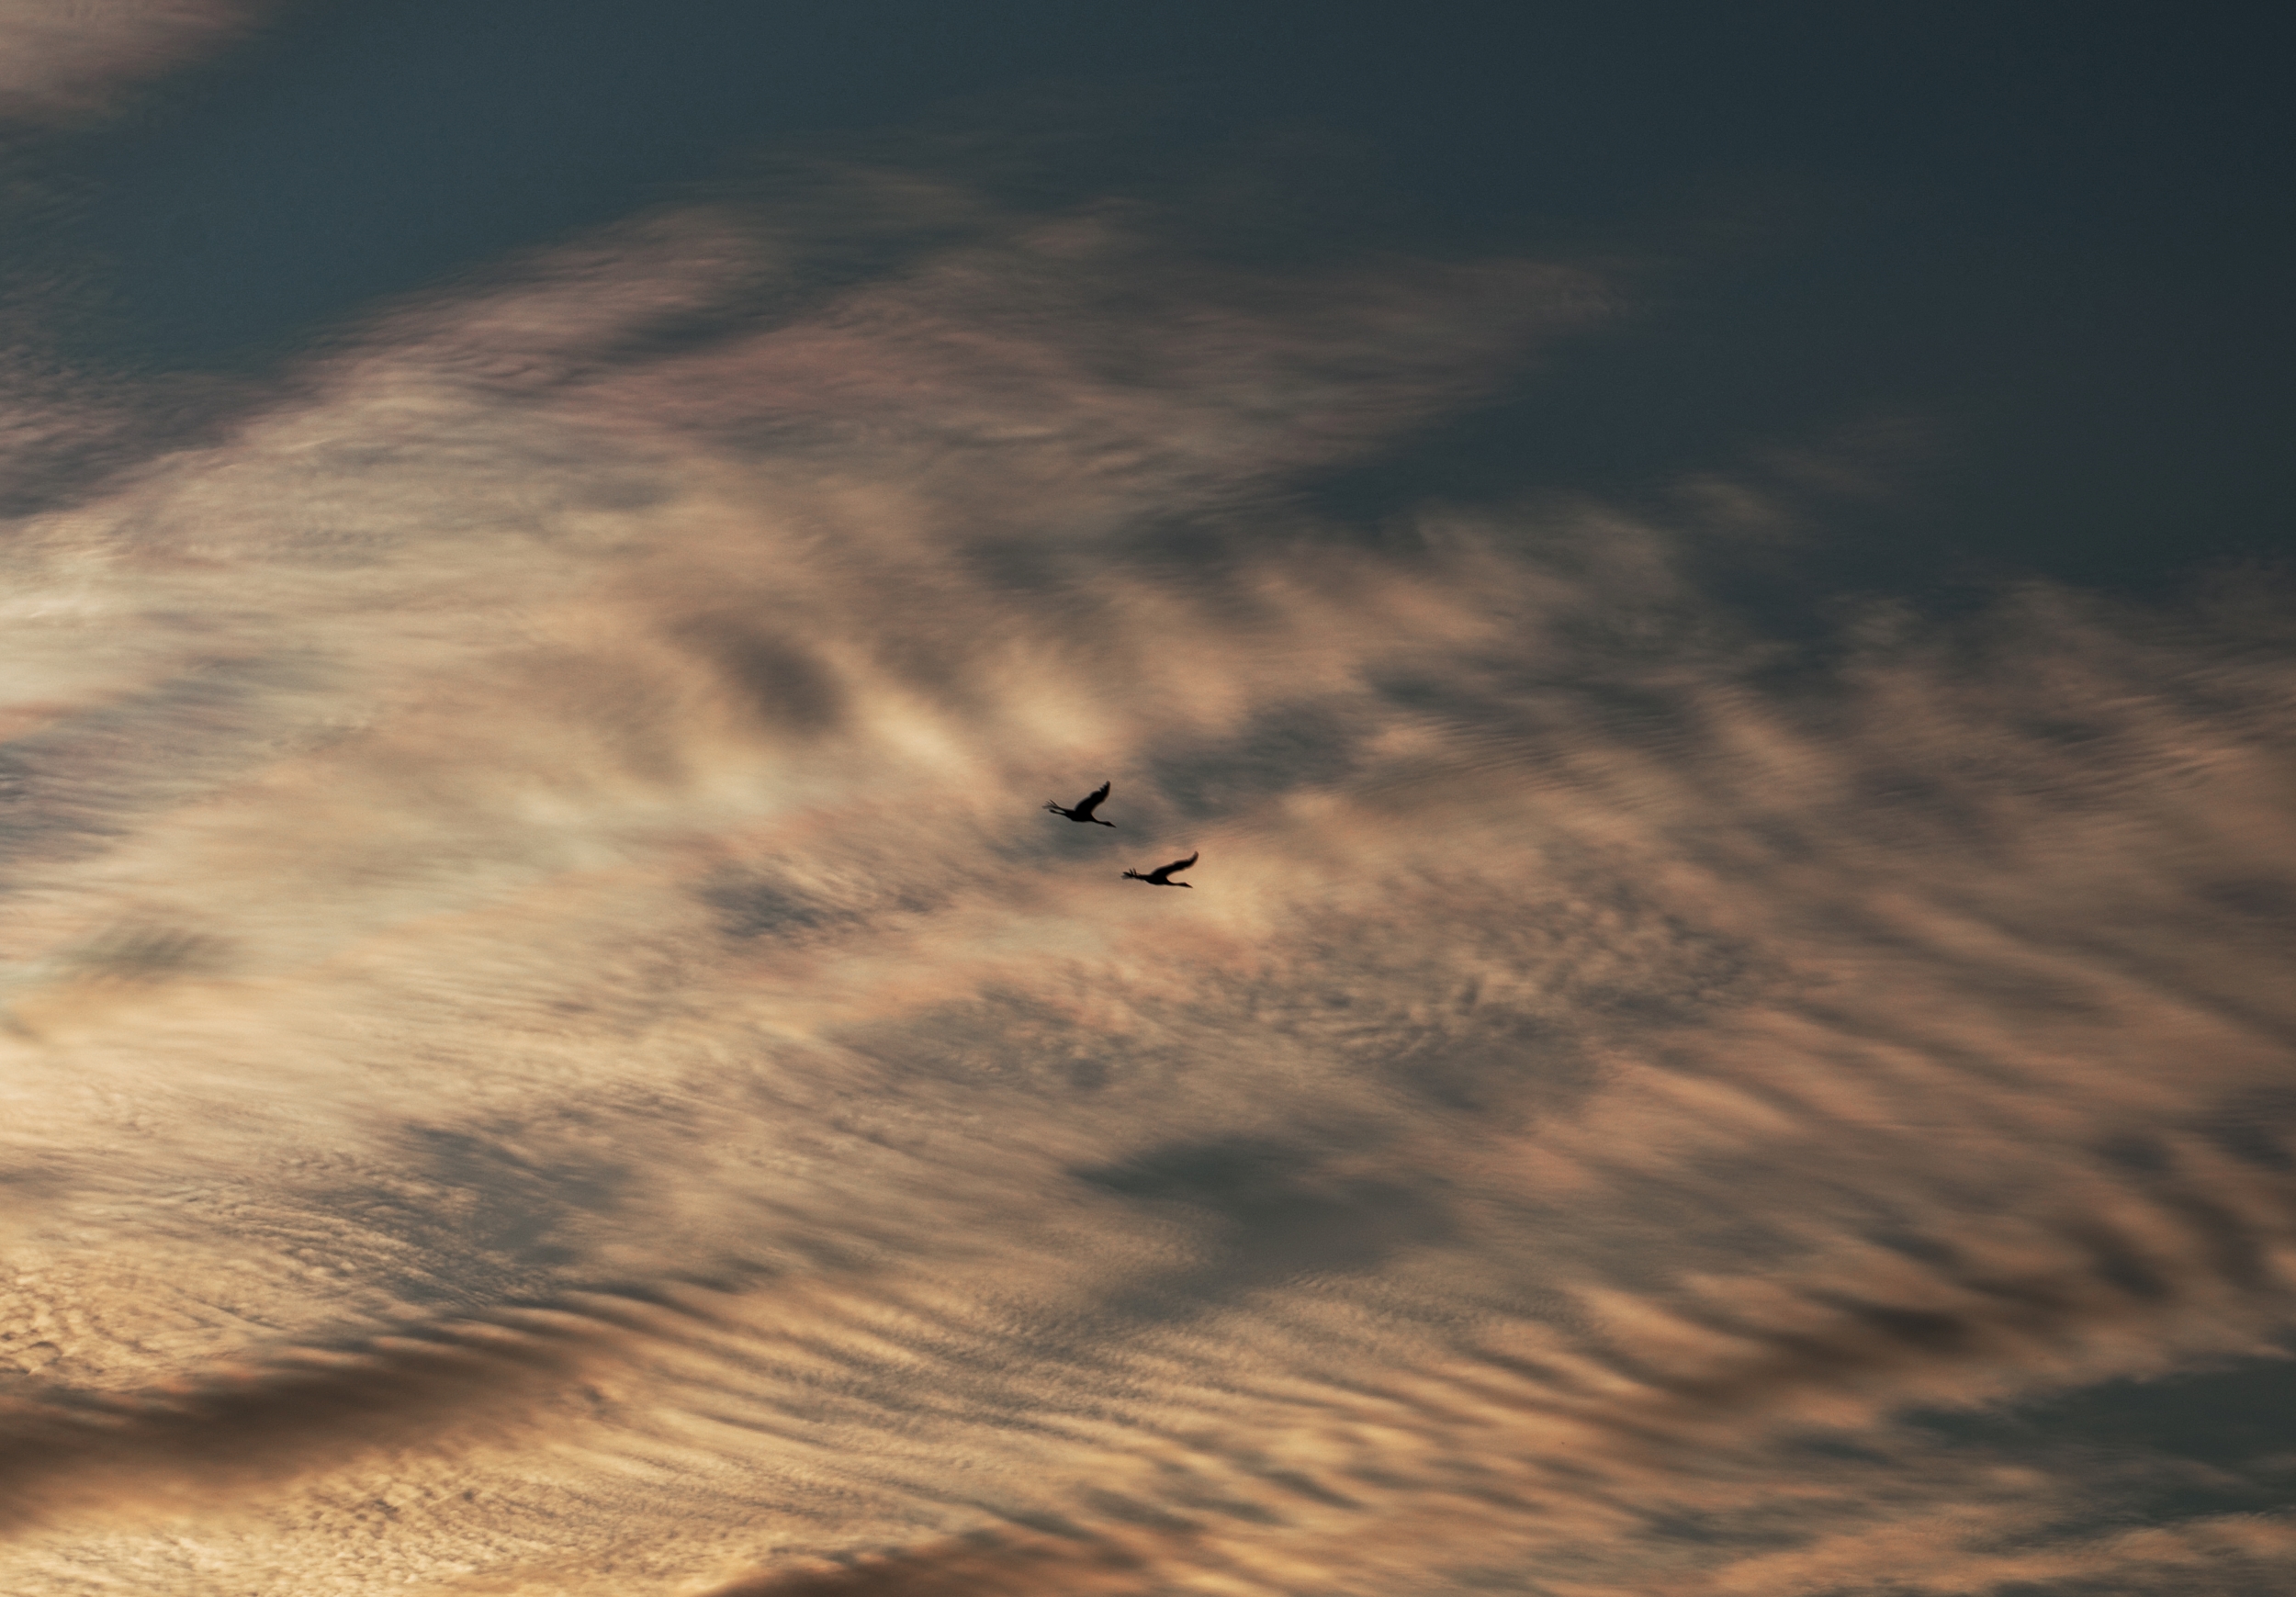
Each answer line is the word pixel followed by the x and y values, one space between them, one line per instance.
pixel 228 1432
pixel 548 799
pixel 63 63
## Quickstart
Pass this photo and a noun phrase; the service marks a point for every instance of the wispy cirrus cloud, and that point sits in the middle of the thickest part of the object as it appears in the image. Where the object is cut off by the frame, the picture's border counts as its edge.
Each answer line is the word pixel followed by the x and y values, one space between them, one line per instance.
pixel 64 60
pixel 548 802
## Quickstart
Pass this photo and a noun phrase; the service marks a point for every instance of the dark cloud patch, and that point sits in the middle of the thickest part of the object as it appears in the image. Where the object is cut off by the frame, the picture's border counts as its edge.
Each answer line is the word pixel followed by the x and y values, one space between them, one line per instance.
pixel 1015 1562
pixel 2184 1449
pixel 1283 747
pixel 516 1199
pixel 1279 1211
pixel 1493 1061
pixel 142 954
pixel 749 907
pixel 476 1216
pixel 2238 1418
pixel 305 1408
pixel 2235 1246
pixel 1950 1306
pixel 2257 1126
pixel 2265 899
pixel 775 677
pixel 2262 1577
pixel 1569 961
pixel 776 901
pixel 1009 1038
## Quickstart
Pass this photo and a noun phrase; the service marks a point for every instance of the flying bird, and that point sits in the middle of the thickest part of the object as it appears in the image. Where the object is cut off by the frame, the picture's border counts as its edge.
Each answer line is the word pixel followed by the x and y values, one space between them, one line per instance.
pixel 1085 806
pixel 1162 875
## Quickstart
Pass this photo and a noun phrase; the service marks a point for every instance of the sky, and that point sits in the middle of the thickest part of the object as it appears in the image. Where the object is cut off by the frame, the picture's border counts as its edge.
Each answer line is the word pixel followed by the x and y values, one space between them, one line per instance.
pixel 1707 586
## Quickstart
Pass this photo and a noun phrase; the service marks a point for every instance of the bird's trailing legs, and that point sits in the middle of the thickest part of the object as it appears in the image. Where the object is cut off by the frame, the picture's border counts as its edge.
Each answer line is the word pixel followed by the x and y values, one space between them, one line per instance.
pixel 1085 806
pixel 1162 875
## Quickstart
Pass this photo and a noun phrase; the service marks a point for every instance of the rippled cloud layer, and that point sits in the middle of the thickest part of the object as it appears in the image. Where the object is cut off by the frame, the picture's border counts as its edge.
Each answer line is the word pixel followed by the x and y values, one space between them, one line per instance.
pixel 551 1047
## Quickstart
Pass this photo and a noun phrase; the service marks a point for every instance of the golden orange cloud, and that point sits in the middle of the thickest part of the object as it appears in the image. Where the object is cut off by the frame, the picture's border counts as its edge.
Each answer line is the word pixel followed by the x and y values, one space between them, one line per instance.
pixel 532 932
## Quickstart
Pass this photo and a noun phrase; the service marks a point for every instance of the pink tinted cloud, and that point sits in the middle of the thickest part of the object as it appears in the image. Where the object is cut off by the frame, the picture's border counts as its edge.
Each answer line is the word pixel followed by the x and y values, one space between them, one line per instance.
pixel 1598 1060
pixel 64 60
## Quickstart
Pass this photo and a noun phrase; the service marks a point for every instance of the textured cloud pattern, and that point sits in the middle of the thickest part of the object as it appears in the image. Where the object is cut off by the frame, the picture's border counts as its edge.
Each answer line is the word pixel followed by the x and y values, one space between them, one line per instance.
pixel 550 1048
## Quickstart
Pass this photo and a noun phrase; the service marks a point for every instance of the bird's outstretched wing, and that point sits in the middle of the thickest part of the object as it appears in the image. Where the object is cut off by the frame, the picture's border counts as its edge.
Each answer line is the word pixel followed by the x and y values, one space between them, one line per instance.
pixel 1177 865
pixel 1091 801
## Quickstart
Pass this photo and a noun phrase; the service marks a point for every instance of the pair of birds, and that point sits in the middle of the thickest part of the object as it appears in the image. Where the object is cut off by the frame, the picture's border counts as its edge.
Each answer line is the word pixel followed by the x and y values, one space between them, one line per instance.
pixel 1081 811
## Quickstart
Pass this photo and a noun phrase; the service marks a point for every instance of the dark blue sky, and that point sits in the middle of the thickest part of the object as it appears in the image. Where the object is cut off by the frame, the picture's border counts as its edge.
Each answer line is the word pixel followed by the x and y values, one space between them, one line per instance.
pixel 2057 237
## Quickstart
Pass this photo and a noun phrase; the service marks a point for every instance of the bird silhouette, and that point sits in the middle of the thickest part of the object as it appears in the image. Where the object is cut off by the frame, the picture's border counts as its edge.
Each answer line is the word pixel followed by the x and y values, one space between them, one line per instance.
pixel 1162 875
pixel 1085 806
